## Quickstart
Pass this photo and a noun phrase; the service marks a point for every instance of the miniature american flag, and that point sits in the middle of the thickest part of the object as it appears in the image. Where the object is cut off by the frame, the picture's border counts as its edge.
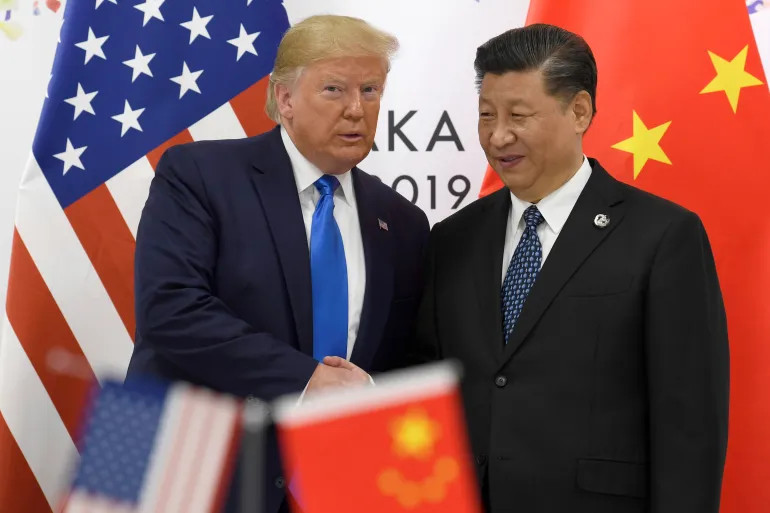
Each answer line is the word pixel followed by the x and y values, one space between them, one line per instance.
pixel 150 447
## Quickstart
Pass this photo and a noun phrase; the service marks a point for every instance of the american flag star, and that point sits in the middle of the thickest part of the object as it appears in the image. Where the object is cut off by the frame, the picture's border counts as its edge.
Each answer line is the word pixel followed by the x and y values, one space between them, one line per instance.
pixel 140 64
pixel 197 25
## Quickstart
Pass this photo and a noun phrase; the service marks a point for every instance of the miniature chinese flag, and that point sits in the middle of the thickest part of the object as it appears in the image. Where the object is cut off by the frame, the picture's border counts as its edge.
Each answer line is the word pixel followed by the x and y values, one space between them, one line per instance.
pixel 398 446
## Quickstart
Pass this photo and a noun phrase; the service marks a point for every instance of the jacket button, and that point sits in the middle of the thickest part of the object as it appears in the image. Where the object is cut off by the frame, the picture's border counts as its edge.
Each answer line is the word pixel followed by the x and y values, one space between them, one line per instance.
pixel 279 482
pixel 481 459
pixel 501 381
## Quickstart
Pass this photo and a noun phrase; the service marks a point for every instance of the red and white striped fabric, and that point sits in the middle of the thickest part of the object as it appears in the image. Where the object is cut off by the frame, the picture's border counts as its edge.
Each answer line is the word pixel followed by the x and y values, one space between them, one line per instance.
pixel 69 316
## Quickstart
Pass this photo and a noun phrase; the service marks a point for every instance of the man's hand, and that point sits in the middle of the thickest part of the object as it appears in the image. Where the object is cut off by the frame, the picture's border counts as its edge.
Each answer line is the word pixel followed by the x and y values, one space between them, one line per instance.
pixel 336 372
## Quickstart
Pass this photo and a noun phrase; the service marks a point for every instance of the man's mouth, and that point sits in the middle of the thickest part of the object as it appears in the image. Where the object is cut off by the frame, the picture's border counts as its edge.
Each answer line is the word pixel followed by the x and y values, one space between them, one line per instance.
pixel 352 136
pixel 508 161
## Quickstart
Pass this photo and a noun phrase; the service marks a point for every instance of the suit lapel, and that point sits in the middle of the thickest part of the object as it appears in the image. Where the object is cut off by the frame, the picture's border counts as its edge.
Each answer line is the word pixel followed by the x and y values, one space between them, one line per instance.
pixel 577 240
pixel 378 257
pixel 488 267
pixel 277 191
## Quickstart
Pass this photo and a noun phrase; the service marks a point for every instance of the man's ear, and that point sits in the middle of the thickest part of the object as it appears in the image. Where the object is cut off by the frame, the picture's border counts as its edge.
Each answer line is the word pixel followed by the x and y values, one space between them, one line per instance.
pixel 284 100
pixel 582 111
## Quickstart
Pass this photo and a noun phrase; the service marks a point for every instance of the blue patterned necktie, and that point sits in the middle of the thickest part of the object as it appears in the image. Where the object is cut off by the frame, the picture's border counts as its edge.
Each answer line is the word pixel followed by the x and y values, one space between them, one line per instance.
pixel 329 276
pixel 522 271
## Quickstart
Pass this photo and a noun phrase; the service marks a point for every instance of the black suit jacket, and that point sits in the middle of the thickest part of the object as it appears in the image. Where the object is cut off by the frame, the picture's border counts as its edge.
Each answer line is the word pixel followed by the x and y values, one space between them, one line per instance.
pixel 612 392
pixel 222 275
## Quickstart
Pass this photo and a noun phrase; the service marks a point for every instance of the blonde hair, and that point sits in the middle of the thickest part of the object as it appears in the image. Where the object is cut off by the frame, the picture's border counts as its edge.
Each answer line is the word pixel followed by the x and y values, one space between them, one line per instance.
pixel 324 37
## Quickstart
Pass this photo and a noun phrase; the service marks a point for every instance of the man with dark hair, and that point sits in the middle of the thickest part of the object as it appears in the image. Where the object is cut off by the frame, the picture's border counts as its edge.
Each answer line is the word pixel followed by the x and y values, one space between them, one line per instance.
pixel 587 313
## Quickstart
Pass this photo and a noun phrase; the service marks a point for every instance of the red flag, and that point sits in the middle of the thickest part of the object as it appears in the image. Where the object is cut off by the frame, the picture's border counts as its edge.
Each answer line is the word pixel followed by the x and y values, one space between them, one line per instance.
pixel 684 112
pixel 399 446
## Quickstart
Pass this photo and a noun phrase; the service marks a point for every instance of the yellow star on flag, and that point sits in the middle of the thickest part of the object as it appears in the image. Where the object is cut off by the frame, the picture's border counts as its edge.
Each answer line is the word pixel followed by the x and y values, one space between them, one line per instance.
pixel 644 144
pixel 414 435
pixel 731 77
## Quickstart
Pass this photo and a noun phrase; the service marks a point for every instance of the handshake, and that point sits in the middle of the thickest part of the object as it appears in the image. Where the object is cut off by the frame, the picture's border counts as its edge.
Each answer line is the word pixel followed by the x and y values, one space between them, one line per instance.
pixel 334 371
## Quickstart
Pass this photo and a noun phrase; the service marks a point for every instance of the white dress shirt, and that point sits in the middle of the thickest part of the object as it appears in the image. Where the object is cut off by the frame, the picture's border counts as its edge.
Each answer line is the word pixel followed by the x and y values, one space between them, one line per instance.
pixel 555 208
pixel 346 215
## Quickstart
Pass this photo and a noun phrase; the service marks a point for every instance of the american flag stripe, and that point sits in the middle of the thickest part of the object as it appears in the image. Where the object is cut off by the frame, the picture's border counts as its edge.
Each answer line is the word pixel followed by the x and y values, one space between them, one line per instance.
pixel 220 124
pixel 249 107
pixel 129 189
pixel 215 458
pixel 190 467
pixel 69 277
pixel 174 435
pixel 183 468
pixel 188 471
pixel 166 441
pixel 180 138
pixel 228 463
pixel 19 489
pixel 109 244
pixel 40 327
pixel 36 446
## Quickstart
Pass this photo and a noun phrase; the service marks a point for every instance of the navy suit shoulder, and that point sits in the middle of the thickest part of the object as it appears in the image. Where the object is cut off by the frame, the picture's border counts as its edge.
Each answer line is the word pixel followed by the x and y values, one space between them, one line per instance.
pixel 212 164
pixel 216 151
pixel 471 213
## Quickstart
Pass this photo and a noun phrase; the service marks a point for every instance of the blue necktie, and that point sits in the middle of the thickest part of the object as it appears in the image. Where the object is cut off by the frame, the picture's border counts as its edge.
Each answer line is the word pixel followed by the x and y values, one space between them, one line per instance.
pixel 522 271
pixel 329 276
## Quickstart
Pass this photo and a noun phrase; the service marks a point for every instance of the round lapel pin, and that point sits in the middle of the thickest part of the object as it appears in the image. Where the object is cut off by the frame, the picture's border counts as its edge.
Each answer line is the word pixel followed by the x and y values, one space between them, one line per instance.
pixel 601 220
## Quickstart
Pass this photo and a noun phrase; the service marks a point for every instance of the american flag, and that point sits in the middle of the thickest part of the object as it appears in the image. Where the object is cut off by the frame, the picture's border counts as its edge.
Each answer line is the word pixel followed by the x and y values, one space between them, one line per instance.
pixel 153 448
pixel 130 78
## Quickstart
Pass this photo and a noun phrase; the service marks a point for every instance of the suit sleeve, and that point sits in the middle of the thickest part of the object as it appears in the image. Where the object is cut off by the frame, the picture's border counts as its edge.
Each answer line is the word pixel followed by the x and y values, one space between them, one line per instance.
pixel 178 312
pixel 426 346
pixel 688 373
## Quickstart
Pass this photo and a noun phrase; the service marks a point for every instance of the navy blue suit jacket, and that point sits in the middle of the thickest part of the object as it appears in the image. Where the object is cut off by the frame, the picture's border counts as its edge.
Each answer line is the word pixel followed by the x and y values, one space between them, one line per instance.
pixel 222 275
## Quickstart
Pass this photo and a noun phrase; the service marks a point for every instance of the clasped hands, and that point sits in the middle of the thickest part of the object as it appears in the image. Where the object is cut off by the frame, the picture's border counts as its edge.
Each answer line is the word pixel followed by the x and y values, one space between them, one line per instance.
pixel 334 371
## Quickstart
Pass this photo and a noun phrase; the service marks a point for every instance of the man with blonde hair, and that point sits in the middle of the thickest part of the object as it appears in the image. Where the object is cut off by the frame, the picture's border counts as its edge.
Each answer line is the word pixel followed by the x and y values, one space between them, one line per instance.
pixel 273 265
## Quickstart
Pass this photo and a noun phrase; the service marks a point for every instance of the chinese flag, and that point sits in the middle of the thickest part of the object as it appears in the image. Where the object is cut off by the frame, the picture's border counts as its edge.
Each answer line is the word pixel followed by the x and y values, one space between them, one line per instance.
pixel 684 112
pixel 398 446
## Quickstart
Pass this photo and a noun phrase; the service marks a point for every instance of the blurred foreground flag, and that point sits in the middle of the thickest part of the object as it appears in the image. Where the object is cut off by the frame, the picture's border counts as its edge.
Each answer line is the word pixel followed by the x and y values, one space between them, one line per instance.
pixel 397 446
pixel 153 447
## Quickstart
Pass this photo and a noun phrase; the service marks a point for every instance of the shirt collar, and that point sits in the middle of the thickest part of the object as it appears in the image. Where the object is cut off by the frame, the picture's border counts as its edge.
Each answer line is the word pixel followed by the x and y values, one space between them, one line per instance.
pixel 555 207
pixel 306 173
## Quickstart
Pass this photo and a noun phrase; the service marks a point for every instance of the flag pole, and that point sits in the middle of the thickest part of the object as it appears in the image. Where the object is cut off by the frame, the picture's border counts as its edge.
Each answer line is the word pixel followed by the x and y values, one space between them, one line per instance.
pixel 255 416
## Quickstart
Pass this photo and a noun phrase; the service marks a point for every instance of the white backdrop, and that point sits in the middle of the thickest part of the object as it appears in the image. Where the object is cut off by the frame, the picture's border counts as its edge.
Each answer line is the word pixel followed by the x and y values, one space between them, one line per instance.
pixel 432 74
